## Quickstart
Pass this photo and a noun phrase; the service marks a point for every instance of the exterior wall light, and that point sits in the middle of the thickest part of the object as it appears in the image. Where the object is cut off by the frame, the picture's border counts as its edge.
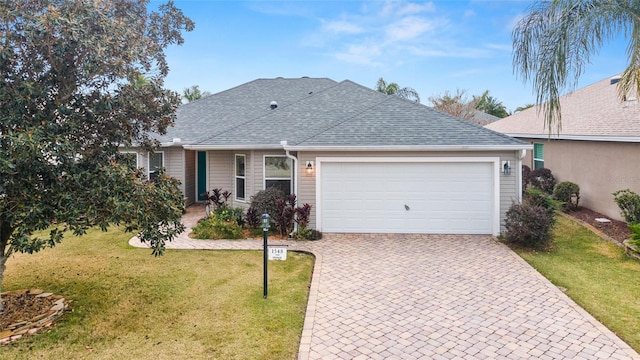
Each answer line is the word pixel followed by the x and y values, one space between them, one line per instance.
pixel 309 168
pixel 506 168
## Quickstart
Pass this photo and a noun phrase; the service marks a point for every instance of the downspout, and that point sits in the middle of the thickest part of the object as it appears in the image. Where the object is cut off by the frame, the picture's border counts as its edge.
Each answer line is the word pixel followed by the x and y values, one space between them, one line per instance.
pixel 523 153
pixel 295 174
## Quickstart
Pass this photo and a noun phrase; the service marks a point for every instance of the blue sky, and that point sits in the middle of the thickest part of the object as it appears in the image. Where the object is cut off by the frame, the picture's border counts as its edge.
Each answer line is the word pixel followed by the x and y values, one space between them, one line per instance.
pixel 433 46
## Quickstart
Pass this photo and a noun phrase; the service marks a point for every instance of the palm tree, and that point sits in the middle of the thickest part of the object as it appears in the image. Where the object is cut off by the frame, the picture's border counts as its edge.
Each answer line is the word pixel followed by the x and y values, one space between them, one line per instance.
pixel 193 93
pixel 555 40
pixel 395 89
pixel 523 107
pixel 490 105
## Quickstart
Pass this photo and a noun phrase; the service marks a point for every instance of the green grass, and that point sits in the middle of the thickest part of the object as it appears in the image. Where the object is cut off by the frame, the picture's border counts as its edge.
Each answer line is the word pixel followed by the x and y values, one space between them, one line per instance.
pixel 597 275
pixel 185 304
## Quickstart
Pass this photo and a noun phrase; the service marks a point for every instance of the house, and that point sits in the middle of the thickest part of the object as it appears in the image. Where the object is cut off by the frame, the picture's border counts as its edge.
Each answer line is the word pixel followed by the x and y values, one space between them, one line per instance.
pixel 367 162
pixel 598 146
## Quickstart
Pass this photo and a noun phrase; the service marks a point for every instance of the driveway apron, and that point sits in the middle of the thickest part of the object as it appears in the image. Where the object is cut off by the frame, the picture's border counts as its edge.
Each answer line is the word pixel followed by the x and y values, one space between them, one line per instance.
pixel 442 297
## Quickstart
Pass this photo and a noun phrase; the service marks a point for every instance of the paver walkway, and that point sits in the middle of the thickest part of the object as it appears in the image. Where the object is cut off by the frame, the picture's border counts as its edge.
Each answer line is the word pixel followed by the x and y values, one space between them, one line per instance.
pixel 433 297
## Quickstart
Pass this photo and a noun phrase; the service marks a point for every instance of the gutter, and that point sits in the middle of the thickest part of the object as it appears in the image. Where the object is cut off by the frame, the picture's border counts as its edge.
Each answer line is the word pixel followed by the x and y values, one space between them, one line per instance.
pixel 295 175
pixel 234 147
pixel 412 148
pixel 632 139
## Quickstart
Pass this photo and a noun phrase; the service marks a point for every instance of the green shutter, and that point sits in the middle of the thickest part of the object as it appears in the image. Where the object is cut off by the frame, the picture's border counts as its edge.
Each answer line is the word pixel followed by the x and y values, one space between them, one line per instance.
pixel 538 151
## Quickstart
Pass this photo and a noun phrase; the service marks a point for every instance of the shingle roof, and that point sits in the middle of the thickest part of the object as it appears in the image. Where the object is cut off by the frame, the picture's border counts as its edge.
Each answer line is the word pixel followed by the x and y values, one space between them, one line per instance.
pixel 595 110
pixel 321 112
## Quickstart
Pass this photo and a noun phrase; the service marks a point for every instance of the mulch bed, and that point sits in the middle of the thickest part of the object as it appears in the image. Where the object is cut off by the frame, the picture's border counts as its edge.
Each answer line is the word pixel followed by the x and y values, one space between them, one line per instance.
pixel 616 230
pixel 22 307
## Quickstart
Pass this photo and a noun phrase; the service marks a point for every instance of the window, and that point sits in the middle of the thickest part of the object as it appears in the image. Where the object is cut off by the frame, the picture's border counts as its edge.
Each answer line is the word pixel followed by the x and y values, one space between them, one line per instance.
pixel 277 173
pixel 130 159
pixel 240 177
pixel 538 156
pixel 156 161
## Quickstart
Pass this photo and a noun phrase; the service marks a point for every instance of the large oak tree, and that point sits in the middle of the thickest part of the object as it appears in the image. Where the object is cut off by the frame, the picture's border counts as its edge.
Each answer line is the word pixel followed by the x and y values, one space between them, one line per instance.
pixel 70 98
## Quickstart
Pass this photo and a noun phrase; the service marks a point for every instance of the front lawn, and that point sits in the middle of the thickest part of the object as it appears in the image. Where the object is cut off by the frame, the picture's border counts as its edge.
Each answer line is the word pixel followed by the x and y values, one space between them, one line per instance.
pixel 597 275
pixel 186 304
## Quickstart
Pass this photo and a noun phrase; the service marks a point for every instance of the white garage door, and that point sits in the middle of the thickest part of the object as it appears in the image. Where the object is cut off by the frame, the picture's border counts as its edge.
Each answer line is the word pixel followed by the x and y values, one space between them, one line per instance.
pixel 407 197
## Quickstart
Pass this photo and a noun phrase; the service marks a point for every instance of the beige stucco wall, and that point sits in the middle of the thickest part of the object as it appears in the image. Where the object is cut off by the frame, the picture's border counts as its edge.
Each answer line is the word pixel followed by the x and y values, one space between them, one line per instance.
pixel 598 167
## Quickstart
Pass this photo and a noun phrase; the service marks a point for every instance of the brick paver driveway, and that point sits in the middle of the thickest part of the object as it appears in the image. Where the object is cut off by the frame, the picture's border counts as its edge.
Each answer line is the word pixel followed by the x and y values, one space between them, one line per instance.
pixel 432 297
pixel 442 297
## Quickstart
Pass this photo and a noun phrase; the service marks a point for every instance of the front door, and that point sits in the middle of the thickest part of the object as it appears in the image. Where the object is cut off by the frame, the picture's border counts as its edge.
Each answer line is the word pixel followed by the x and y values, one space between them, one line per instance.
pixel 202 175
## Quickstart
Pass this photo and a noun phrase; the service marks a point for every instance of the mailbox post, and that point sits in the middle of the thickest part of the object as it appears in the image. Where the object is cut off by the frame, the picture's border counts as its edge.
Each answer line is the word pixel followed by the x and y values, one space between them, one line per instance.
pixel 266 223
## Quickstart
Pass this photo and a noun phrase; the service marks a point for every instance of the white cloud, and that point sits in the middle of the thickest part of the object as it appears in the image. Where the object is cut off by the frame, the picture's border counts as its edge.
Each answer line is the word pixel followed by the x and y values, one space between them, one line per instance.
pixel 469 14
pixel 413 8
pixel 448 51
pixel 499 47
pixel 341 27
pixel 408 28
pixel 360 54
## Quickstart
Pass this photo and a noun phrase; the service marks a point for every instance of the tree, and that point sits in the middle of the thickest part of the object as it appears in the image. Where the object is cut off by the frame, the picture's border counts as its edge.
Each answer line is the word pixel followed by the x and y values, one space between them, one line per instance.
pixel 395 89
pixel 455 104
pixel 554 41
pixel 490 105
pixel 523 107
pixel 193 93
pixel 73 91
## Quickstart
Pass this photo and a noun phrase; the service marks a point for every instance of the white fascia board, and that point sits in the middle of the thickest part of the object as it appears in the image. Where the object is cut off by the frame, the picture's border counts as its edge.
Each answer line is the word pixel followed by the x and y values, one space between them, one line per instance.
pixel 632 139
pixel 233 147
pixel 413 148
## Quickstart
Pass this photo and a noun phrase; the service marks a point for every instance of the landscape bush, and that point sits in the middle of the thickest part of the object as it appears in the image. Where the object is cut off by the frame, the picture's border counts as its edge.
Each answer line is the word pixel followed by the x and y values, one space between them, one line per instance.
pixel 285 214
pixel 265 200
pixel 213 227
pixel 629 204
pixel 635 234
pixel 252 218
pixel 228 213
pixel 543 179
pixel 529 225
pixel 536 197
pixel 564 191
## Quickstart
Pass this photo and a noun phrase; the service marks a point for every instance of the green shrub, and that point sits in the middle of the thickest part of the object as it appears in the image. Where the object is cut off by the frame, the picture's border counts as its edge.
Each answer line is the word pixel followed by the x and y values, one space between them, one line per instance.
pixel 529 225
pixel 252 218
pixel 308 234
pixel 265 200
pixel 536 197
pixel 213 227
pixel 543 180
pixel 635 233
pixel 227 213
pixel 564 191
pixel 629 204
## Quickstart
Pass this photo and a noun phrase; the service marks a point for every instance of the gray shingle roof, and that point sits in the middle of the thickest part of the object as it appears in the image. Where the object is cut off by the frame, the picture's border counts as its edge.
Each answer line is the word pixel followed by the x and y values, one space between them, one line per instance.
pixel 321 112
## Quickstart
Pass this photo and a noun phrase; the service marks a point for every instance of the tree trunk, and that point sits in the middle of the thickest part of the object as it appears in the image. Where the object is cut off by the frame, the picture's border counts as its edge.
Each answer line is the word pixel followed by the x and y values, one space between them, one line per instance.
pixel 3 261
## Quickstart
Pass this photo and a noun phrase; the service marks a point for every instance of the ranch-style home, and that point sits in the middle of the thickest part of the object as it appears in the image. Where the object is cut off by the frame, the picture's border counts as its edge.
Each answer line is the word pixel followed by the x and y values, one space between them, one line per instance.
pixel 598 146
pixel 367 162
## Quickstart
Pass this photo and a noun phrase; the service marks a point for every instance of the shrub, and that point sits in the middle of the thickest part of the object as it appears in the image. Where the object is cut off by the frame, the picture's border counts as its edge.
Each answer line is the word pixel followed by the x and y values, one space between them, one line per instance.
pixel 536 197
pixel 265 200
pixel 303 214
pixel 308 234
pixel 526 177
pixel 629 204
pixel 285 215
pixel 529 225
pixel 564 191
pixel 227 213
pixel 213 227
pixel 252 218
pixel 543 180
pixel 635 234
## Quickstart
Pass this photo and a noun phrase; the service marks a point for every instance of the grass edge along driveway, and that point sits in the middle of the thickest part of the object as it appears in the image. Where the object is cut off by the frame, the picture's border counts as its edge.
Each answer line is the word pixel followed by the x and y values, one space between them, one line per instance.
pixel 596 274
pixel 185 304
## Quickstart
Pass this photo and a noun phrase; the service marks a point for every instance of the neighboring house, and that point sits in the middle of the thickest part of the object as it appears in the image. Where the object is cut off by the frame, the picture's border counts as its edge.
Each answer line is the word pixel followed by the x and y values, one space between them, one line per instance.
pixel 598 146
pixel 367 162
pixel 482 118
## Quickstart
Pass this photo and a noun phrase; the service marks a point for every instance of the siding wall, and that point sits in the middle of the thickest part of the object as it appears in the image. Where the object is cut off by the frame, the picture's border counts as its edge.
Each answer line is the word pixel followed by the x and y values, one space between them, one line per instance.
pixel 174 164
pixel 600 168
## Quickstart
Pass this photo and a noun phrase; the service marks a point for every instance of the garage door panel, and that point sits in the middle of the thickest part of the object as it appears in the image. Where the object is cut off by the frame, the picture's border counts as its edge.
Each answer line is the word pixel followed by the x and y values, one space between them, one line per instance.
pixel 442 197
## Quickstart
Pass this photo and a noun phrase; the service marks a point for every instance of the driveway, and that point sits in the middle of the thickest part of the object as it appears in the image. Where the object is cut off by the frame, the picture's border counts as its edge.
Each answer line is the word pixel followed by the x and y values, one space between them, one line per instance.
pixel 434 297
